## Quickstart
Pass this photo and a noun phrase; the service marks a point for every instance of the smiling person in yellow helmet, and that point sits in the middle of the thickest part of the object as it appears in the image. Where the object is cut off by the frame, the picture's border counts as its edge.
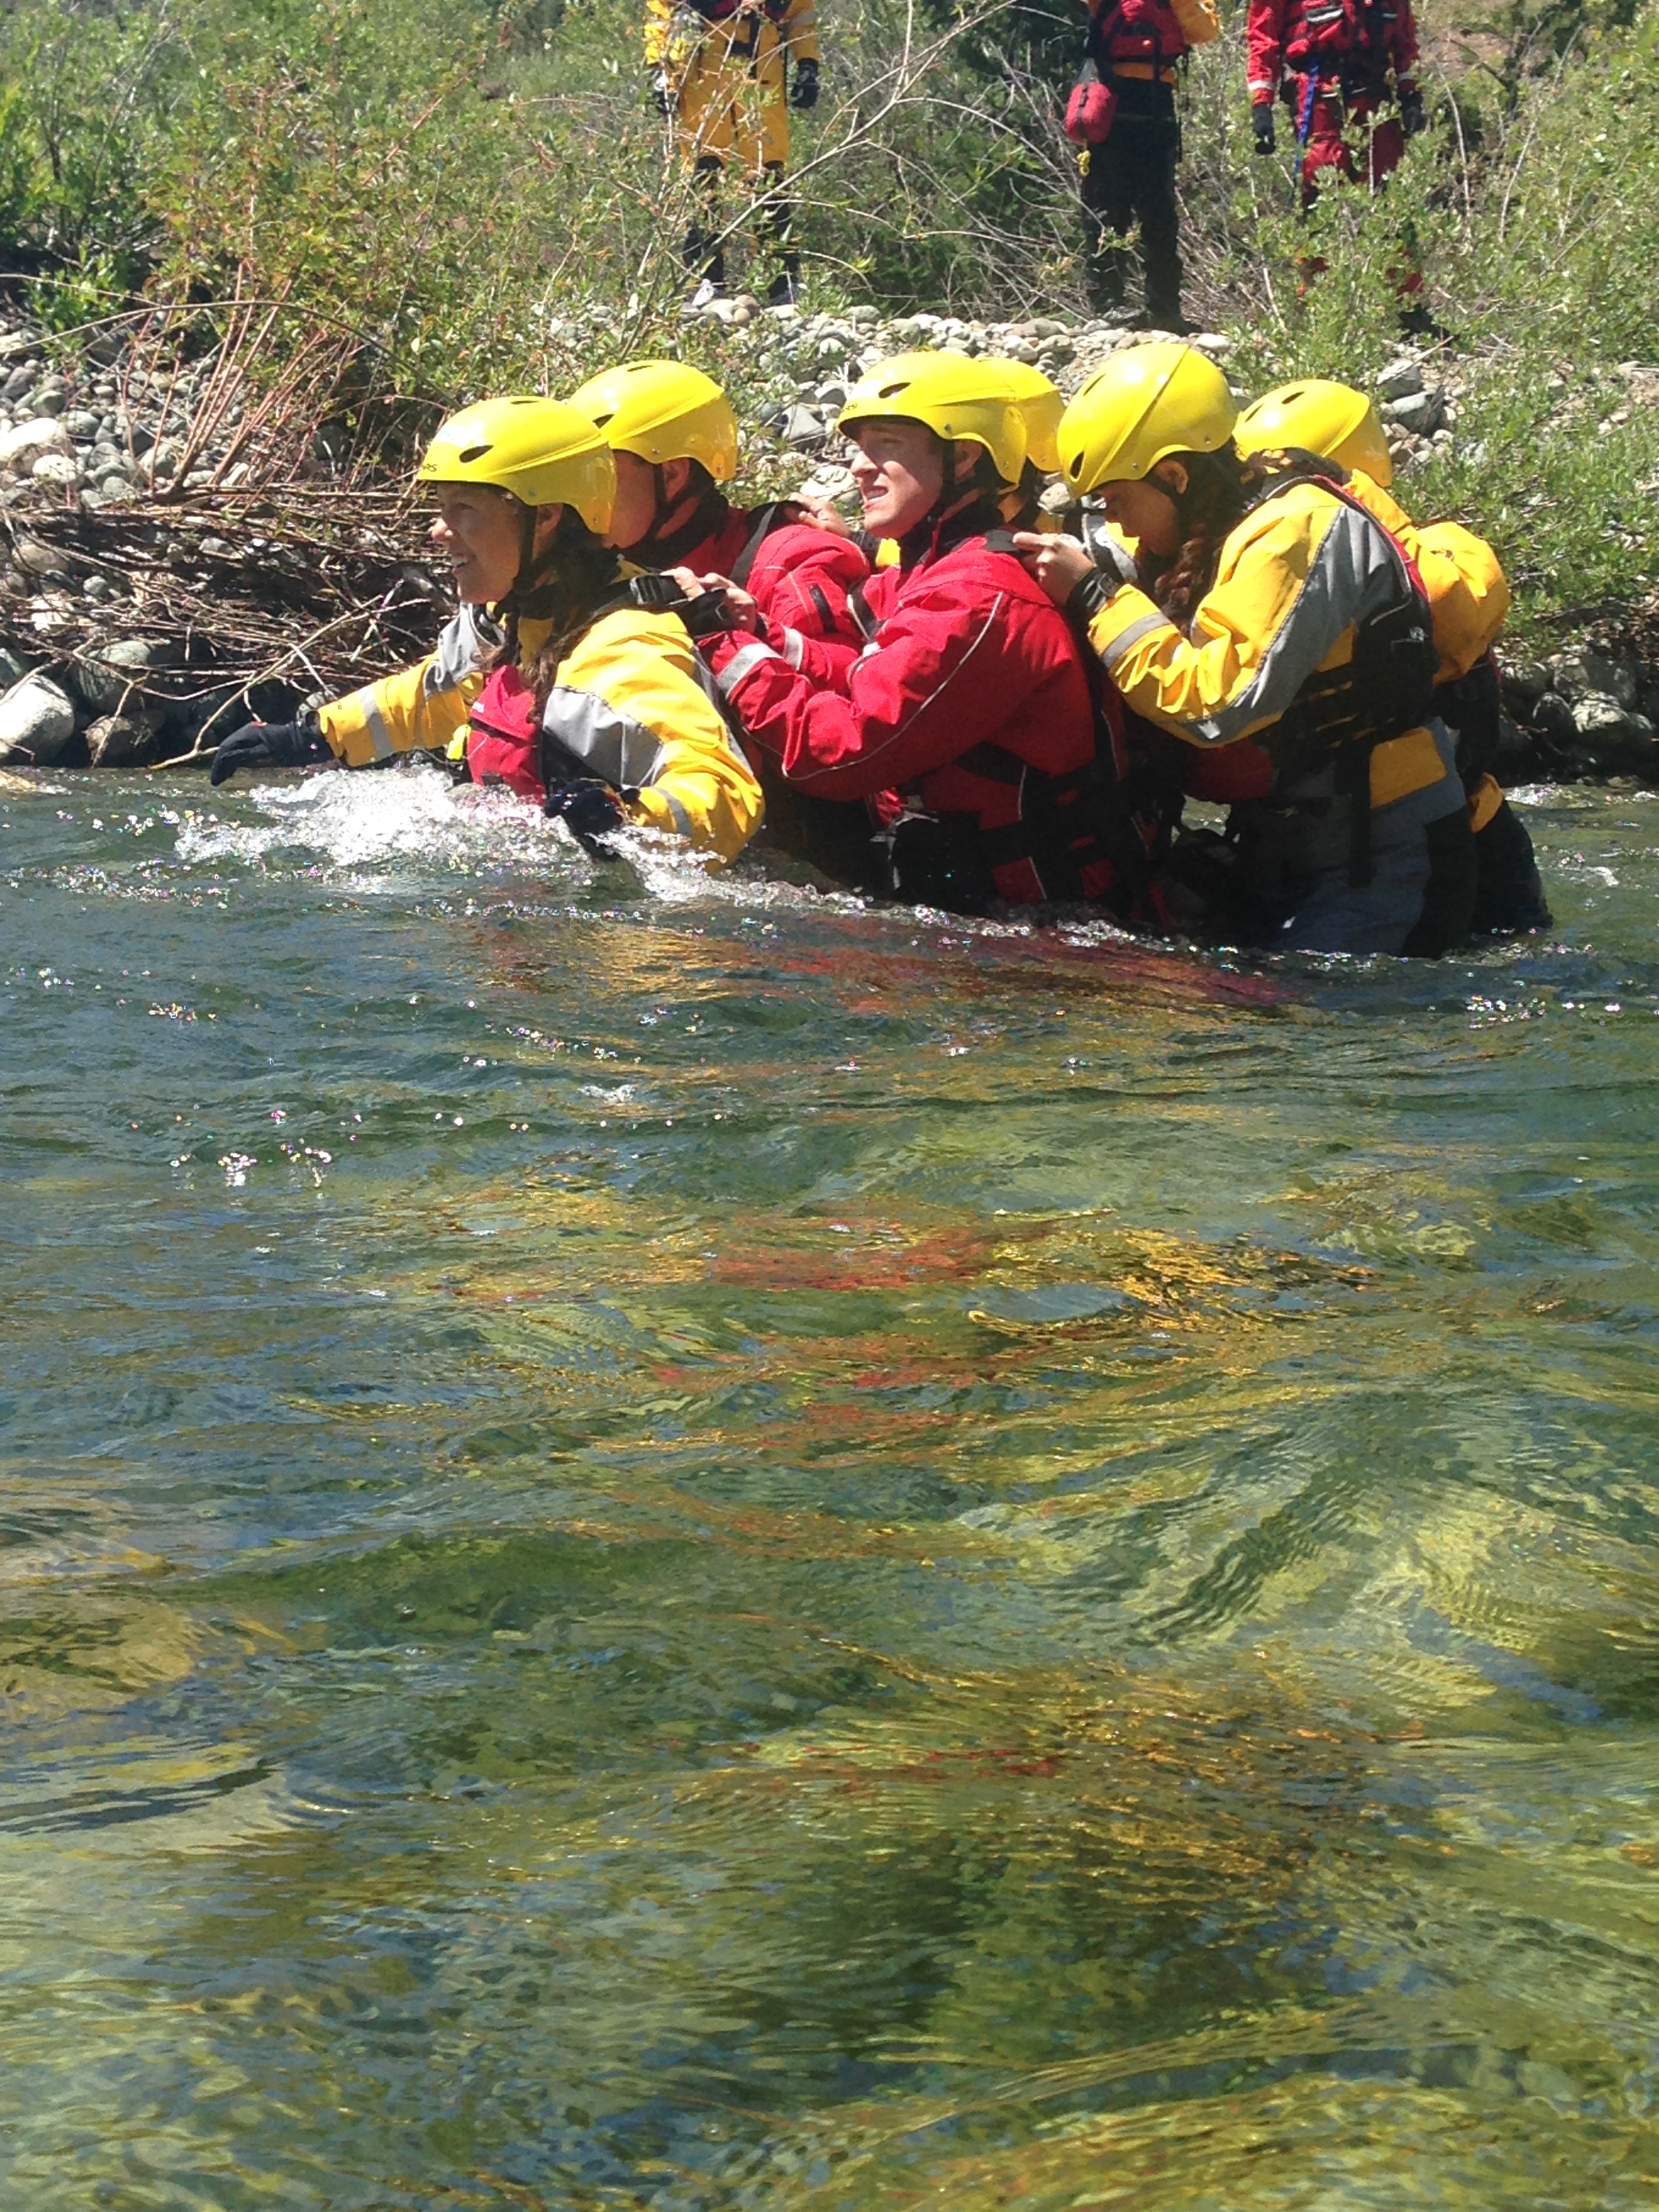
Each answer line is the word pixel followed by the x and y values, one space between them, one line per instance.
pixel 1040 403
pixel 971 701
pixel 1468 599
pixel 561 684
pixel 1268 610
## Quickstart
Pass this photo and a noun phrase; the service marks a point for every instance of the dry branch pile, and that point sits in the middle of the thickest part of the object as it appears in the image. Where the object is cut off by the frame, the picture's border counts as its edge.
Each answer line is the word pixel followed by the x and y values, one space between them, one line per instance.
pixel 187 538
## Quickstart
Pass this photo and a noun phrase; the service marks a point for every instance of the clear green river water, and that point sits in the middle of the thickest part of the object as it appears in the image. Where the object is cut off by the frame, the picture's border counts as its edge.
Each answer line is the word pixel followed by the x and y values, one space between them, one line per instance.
pixel 669 1544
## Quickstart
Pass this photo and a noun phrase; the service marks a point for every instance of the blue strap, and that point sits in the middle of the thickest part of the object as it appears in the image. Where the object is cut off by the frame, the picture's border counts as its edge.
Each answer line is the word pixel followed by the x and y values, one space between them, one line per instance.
pixel 1304 127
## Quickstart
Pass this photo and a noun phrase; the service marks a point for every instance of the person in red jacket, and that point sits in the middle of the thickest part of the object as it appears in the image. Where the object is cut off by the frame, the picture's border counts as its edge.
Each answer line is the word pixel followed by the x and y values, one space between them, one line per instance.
pixel 971 701
pixel 1336 64
pixel 1128 154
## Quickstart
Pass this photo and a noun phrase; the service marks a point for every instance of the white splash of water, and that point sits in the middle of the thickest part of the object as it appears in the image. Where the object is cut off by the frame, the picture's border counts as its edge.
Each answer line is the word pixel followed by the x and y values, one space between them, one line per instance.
pixel 378 821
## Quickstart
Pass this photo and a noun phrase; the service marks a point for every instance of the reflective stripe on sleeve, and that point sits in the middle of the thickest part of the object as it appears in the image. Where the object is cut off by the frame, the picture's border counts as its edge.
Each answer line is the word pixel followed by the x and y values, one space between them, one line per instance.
pixel 792 646
pixel 749 656
pixel 1127 639
pixel 380 737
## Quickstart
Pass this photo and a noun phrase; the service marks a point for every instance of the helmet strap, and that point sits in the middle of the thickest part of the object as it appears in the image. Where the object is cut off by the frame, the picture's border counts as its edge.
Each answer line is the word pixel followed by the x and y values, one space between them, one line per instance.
pixel 661 547
pixel 959 497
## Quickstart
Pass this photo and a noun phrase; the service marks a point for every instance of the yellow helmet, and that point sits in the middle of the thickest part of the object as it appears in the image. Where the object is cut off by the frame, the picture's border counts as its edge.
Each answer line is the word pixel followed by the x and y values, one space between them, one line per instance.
pixel 542 451
pixel 1146 403
pixel 662 411
pixel 954 396
pixel 1040 403
pixel 1322 417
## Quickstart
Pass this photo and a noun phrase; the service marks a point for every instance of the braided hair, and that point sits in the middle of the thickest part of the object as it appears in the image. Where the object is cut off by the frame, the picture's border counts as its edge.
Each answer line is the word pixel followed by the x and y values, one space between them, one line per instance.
pixel 1220 486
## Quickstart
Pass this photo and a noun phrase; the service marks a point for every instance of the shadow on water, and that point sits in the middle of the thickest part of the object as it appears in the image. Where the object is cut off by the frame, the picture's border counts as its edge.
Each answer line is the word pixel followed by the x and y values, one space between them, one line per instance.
pixel 668 1543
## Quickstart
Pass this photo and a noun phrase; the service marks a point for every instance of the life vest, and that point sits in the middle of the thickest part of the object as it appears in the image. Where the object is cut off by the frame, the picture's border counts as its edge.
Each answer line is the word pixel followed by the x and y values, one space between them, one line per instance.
pixel 1322 35
pixel 1384 688
pixel 503 744
pixel 1156 40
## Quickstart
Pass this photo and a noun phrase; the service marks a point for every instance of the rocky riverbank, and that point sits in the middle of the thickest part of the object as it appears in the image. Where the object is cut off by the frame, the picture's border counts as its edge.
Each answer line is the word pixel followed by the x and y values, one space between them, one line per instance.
pixel 178 554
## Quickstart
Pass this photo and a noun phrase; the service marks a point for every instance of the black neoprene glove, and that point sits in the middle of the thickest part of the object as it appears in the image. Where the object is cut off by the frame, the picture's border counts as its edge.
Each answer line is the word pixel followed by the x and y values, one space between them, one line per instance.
pixel 271 745
pixel 589 810
pixel 1412 116
pixel 804 94
pixel 1261 123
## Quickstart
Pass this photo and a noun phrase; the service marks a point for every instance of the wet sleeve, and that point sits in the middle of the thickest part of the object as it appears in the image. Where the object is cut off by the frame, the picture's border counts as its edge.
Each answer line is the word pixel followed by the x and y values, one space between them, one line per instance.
pixel 419 709
pixel 631 703
pixel 1264 47
pixel 945 677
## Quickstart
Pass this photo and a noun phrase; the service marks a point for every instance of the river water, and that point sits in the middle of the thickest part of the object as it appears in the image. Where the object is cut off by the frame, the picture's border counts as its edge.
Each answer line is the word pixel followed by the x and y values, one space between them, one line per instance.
pixel 669 1544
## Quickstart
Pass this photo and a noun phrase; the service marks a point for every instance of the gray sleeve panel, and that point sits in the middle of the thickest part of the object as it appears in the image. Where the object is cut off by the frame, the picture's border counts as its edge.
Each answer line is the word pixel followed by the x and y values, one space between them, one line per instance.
pixel 745 658
pixel 708 684
pixel 1132 636
pixel 1356 573
pixel 612 746
pixel 380 737
pixel 467 636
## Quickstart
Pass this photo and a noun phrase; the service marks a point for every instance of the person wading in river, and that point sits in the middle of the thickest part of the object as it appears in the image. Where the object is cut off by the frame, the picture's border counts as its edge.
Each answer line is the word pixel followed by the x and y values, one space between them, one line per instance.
pixel 1284 636
pixel 1468 599
pixel 674 439
pixel 553 678
pixel 971 702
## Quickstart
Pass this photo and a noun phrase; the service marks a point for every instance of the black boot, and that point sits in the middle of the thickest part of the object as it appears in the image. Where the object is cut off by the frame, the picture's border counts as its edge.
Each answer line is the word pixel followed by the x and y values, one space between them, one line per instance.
pixel 784 290
pixel 1107 275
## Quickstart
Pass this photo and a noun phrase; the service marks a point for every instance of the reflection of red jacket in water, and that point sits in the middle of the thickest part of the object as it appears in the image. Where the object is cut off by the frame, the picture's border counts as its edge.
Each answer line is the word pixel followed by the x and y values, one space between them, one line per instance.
pixel 1336 62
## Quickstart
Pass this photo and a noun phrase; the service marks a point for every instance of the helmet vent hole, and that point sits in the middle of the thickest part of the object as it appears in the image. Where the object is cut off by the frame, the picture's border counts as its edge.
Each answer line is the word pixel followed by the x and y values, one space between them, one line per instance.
pixel 474 453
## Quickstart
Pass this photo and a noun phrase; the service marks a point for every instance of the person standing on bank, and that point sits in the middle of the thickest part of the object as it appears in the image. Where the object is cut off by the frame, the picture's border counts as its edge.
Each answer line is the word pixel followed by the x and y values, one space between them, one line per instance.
pixel 1336 64
pixel 1122 117
pixel 719 69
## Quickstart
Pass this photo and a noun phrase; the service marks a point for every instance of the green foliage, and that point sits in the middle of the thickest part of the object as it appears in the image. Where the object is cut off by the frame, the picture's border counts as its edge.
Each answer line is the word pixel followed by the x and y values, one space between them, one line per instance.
pixel 483 197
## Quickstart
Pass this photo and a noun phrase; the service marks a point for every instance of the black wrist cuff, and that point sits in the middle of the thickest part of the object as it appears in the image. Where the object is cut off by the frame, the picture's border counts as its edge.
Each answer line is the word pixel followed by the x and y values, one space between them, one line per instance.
pixel 1088 596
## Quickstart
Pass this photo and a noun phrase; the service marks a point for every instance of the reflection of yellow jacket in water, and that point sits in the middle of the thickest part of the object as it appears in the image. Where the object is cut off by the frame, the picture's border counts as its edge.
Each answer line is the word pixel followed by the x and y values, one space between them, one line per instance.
pixel 1294 579
pixel 725 66
pixel 630 702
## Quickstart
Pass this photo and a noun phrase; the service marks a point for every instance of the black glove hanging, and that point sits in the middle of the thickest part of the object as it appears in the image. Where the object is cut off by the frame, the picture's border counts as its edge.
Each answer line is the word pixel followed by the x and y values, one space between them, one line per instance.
pixel 1261 124
pixel 805 91
pixel 1412 116
pixel 271 745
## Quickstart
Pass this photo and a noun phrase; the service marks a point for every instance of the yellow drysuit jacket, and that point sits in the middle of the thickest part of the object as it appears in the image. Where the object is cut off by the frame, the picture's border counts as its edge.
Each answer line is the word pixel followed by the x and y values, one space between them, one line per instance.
pixel 726 71
pixel 1294 577
pixel 629 701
